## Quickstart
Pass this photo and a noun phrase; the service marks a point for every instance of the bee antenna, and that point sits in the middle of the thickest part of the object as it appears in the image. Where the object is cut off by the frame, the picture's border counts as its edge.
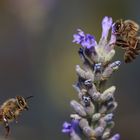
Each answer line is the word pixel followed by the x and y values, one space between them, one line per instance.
pixel 29 97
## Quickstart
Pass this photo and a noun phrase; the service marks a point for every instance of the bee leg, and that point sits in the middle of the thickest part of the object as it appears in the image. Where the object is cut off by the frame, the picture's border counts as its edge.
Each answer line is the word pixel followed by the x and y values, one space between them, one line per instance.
pixel 135 51
pixel 138 38
pixel 129 55
pixel 12 114
pixel 137 48
pixel 122 43
pixel 7 128
pixel 16 120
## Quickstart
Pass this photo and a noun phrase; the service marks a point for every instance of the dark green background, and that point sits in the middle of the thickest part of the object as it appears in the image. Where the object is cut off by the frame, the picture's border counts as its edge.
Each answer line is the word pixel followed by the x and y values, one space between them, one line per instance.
pixel 38 58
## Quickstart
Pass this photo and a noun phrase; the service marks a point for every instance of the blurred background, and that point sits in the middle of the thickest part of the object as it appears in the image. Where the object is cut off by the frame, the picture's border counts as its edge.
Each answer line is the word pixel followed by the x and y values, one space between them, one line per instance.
pixel 37 58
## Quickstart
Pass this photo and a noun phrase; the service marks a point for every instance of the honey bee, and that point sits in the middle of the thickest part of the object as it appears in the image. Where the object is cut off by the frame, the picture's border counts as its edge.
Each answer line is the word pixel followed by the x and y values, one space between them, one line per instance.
pixel 11 109
pixel 127 38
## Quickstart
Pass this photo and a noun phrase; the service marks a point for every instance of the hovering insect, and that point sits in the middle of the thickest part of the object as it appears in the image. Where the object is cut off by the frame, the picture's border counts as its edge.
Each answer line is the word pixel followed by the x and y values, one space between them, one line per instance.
pixel 127 38
pixel 11 109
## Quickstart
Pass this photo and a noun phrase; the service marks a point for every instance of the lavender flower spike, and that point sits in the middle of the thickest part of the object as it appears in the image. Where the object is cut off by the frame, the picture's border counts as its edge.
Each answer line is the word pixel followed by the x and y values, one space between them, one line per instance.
pixel 95 106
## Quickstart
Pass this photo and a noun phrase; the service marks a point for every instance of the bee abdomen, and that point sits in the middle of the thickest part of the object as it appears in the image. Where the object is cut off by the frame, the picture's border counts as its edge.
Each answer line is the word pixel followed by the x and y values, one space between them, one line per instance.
pixel 131 54
pixel 9 114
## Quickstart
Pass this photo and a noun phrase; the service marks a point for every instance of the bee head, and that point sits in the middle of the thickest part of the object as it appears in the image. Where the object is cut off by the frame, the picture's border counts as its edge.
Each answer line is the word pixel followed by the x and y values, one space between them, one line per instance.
pixel 117 27
pixel 22 102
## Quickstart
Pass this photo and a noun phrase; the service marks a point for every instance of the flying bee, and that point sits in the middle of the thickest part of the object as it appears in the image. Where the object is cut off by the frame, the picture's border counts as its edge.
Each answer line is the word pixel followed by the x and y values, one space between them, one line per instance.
pixel 127 38
pixel 11 109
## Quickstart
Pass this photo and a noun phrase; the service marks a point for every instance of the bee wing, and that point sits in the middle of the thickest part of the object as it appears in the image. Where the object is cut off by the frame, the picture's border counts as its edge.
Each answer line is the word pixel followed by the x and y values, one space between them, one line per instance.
pixel 132 24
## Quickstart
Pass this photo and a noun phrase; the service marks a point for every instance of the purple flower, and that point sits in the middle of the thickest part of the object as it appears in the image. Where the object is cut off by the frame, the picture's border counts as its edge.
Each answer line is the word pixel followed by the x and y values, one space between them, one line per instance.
pixel 85 40
pixel 78 38
pixel 116 137
pixel 112 39
pixel 106 25
pixel 69 127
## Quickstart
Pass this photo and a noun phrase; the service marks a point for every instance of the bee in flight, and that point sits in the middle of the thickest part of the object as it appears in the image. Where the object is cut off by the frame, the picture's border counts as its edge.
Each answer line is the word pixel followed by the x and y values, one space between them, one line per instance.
pixel 11 109
pixel 127 38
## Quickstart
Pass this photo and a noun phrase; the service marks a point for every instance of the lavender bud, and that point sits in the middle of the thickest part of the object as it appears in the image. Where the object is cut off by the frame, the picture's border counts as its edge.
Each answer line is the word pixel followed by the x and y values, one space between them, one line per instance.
pixel 109 69
pixel 115 137
pixel 106 135
pixel 84 74
pixel 108 117
pixel 74 136
pixel 111 106
pixel 83 122
pixel 89 132
pixel 96 96
pixel 75 116
pixel 96 117
pixel 81 92
pixel 78 108
pixel 102 123
pixel 99 131
pixel 108 94
pixel 76 88
pixel 106 25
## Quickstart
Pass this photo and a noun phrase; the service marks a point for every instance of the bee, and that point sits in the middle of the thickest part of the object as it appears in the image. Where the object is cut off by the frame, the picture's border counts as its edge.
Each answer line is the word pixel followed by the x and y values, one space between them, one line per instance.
pixel 127 38
pixel 11 109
